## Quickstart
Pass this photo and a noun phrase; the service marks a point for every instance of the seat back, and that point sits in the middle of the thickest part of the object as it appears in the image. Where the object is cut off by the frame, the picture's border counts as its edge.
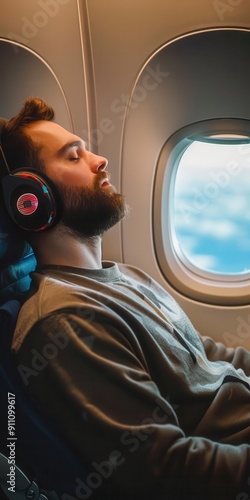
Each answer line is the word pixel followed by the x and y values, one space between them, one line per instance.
pixel 37 448
pixel 13 481
pixel 36 445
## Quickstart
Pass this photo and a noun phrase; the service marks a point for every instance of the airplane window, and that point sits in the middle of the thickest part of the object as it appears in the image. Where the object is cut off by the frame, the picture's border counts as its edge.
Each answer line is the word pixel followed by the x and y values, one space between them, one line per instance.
pixel 211 215
pixel 201 211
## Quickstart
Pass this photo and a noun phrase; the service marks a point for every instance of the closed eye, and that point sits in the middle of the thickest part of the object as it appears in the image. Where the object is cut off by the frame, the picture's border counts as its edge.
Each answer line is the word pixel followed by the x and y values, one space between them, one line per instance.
pixel 74 158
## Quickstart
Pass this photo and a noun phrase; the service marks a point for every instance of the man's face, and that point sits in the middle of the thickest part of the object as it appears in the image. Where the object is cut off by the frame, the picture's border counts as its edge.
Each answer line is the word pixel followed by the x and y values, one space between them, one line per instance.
pixel 91 204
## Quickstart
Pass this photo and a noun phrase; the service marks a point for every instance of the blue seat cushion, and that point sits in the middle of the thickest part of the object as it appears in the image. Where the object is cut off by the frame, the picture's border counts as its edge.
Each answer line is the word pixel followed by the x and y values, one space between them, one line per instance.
pixel 17 259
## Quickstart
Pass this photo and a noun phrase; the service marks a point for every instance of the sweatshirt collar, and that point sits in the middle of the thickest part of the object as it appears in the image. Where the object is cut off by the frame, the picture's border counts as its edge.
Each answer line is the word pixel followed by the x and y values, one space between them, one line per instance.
pixel 109 271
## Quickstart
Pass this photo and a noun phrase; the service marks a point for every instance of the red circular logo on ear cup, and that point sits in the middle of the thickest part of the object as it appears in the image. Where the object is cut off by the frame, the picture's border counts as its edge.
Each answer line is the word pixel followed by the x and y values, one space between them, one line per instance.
pixel 27 204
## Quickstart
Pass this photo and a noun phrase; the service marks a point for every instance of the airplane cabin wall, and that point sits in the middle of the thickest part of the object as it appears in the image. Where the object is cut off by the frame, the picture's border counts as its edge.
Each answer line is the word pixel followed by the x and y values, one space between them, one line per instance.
pixel 93 53
pixel 125 37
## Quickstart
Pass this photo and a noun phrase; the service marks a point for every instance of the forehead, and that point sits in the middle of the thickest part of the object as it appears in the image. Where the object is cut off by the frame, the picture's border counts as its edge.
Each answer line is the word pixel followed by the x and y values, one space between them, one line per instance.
pixel 51 135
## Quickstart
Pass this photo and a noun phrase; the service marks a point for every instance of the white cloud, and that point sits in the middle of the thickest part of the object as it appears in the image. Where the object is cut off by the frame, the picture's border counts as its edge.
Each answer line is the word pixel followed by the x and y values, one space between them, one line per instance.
pixel 204 261
pixel 219 229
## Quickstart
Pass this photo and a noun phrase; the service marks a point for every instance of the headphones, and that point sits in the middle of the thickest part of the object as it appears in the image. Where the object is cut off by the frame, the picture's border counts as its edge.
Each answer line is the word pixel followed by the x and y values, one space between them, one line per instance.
pixel 30 197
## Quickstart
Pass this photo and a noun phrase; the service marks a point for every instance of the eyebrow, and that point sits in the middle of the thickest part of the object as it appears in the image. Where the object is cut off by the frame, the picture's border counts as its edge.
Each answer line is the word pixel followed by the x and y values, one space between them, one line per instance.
pixel 70 145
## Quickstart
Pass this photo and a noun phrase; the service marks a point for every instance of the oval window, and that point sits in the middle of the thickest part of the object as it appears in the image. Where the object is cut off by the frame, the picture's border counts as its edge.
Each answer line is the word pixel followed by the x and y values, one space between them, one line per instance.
pixel 201 211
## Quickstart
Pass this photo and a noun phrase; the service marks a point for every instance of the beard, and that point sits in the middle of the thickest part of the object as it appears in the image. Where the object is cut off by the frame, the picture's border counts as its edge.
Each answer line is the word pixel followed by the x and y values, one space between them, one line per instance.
pixel 89 212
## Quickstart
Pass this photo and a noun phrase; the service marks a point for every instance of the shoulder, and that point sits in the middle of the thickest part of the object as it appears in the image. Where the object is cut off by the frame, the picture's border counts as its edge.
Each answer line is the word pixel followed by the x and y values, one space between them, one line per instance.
pixel 134 273
pixel 48 296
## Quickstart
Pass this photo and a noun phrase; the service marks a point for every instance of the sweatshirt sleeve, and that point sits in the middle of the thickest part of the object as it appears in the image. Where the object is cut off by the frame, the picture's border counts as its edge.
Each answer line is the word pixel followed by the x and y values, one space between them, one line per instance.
pixel 94 384
pixel 217 351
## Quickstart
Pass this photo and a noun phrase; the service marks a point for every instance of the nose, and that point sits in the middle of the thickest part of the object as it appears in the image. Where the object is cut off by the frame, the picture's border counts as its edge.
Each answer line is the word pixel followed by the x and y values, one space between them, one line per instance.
pixel 99 163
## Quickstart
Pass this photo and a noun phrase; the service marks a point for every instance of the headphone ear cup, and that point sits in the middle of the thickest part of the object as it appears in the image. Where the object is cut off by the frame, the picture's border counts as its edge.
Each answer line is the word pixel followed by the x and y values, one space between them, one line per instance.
pixel 31 200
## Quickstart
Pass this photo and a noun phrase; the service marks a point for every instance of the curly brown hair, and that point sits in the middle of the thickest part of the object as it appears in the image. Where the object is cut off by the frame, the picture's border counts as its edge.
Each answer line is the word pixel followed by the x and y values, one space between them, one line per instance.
pixel 19 149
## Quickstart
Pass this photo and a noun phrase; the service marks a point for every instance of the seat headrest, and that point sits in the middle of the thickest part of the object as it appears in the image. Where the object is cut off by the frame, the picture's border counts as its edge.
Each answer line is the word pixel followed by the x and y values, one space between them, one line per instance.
pixel 17 260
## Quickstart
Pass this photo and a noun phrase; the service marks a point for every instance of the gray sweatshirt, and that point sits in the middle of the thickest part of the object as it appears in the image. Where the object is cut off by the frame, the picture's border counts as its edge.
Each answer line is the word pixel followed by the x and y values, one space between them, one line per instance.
pixel 153 409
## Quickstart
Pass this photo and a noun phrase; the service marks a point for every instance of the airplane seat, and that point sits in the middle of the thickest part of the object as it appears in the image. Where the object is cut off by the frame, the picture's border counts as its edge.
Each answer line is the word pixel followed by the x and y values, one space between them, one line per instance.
pixel 17 261
pixel 43 461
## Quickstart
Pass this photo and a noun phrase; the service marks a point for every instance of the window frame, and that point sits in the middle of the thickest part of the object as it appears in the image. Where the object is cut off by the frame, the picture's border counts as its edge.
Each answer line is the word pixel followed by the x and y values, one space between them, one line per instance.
pixel 184 276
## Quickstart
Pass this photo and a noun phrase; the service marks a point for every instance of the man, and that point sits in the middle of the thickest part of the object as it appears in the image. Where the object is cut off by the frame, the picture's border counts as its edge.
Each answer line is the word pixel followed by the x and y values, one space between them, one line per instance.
pixel 153 409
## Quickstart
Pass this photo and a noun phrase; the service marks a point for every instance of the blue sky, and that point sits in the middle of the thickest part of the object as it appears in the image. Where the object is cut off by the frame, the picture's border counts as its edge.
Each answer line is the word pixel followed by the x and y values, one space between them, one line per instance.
pixel 212 207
